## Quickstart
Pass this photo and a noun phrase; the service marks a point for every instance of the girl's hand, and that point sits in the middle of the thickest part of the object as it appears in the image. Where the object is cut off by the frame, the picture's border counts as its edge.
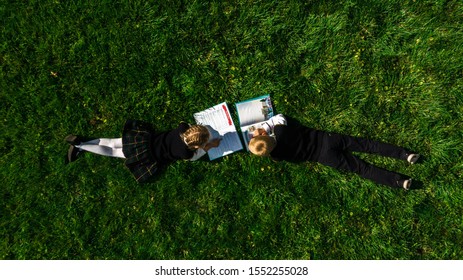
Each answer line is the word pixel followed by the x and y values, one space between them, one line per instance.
pixel 213 144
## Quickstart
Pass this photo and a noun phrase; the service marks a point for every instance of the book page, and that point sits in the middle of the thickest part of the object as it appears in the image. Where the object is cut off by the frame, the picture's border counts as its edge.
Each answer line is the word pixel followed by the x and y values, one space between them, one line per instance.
pixel 254 110
pixel 219 118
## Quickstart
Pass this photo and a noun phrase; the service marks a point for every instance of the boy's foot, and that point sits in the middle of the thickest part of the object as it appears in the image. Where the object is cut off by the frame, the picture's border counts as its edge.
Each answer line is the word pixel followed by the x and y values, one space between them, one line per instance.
pixel 413 158
pixel 73 154
pixel 405 184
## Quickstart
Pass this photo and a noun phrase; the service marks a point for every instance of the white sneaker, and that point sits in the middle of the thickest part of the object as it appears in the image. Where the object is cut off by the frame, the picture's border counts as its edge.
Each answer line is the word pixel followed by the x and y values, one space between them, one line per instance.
pixel 413 158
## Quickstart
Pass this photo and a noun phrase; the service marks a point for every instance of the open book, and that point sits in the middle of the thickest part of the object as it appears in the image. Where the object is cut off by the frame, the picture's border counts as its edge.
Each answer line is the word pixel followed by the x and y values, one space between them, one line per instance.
pixel 252 114
pixel 219 118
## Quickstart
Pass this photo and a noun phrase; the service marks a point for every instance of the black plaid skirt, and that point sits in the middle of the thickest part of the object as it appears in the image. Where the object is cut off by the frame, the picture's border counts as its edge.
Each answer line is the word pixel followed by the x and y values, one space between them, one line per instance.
pixel 136 140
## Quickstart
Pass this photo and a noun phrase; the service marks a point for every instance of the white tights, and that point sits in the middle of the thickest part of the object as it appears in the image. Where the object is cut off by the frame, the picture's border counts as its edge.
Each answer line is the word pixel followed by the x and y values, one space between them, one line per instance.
pixel 111 147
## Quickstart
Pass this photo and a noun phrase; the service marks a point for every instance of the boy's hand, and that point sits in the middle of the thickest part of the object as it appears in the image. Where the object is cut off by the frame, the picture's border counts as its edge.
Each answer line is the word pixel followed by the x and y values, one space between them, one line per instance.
pixel 259 131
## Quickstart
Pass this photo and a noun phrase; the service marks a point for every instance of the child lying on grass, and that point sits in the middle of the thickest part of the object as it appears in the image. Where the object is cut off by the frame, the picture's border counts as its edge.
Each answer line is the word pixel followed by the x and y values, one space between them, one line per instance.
pixel 294 143
pixel 144 149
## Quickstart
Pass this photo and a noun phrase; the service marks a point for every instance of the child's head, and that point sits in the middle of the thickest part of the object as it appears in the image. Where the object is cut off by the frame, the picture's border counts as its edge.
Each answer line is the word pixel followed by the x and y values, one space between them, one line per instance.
pixel 262 145
pixel 196 136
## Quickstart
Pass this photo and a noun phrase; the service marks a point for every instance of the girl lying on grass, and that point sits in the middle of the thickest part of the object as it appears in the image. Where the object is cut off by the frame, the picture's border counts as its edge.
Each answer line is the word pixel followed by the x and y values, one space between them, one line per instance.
pixel 295 143
pixel 145 150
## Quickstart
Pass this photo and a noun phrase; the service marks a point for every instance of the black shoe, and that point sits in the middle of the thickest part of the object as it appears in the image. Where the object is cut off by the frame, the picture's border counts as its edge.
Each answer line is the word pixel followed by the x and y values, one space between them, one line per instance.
pixel 76 140
pixel 73 154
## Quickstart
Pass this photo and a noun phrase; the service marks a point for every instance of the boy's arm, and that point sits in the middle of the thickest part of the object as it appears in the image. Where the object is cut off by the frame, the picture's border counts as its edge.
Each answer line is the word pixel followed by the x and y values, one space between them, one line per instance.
pixel 278 119
pixel 273 121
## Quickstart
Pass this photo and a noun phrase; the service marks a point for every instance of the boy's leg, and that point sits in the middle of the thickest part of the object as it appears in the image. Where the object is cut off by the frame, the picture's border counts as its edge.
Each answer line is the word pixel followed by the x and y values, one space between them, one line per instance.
pixel 359 144
pixel 335 154
pixel 348 162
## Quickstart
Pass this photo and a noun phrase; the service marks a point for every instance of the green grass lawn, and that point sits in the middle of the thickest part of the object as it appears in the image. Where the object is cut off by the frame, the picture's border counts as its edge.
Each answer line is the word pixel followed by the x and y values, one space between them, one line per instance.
pixel 389 70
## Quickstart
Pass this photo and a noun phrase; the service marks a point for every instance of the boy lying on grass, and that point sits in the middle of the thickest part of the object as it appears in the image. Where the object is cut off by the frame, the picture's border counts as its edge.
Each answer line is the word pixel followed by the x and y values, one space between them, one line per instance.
pixel 295 143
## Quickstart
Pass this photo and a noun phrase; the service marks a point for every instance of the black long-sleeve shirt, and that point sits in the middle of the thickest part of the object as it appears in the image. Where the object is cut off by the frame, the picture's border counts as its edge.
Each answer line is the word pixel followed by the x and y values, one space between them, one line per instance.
pixel 168 146
pixel 296 143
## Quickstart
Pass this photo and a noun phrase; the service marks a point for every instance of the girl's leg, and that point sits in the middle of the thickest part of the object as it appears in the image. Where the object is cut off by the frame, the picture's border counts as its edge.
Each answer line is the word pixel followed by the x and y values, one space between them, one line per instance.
pixel 103 146
pixel 111 142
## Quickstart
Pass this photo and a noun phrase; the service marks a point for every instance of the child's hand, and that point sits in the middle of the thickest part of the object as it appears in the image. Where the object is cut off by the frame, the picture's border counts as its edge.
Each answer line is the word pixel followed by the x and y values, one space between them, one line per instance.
pixel 259 131
pixel 216 142
pixel 213 144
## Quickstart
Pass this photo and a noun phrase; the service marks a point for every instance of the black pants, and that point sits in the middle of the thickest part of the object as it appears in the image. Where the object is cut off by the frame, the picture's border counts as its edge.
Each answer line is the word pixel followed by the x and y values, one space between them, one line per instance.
pixel 336 152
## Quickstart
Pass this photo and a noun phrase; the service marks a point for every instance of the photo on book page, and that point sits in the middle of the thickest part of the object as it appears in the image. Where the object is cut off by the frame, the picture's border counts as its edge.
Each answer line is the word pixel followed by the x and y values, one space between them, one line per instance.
pixel 219 118
pixel 252 115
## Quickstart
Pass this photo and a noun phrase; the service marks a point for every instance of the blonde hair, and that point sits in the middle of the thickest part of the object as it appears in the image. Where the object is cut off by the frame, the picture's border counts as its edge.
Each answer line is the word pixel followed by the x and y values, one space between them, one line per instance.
pixel 195 136
pixel 262 145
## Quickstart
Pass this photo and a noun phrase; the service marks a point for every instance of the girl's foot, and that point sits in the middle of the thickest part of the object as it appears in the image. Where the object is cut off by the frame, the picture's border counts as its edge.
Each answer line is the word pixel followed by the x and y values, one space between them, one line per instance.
pixel 76 140
pixel 72 139
pixel 73 154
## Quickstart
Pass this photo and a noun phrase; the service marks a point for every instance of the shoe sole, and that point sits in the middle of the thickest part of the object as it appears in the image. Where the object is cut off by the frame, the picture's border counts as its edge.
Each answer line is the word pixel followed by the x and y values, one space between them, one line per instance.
pixel 71 139
pixel 414 158
pixel 73 154
pixel 407 184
